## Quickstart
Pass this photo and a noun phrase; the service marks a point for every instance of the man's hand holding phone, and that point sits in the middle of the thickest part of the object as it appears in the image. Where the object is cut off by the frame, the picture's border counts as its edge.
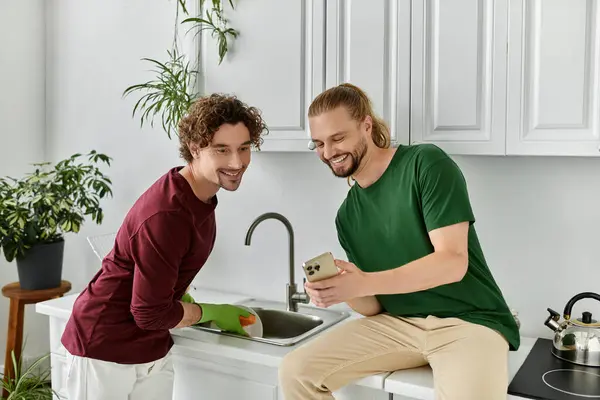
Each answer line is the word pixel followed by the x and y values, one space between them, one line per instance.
pixel 347 283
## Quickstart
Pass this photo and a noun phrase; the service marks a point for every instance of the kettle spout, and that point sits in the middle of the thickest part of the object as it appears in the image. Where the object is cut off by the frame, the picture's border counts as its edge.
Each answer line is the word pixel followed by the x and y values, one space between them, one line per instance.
pixel 552 320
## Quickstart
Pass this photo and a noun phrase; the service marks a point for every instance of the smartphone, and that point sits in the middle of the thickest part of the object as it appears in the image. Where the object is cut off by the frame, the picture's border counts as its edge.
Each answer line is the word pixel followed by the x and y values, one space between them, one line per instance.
pixel 320 267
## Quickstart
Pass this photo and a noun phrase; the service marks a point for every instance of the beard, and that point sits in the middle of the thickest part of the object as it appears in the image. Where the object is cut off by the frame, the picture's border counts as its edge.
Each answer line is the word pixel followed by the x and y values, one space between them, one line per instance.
pixel 230 183
pixel 353 160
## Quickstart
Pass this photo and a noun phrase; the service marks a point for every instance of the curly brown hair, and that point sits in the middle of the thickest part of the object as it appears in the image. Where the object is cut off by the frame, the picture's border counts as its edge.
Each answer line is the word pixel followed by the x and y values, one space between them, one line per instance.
pixel 208 113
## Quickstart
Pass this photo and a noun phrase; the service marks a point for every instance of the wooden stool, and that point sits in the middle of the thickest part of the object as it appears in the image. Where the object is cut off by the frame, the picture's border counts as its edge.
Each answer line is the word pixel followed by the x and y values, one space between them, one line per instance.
pixel 18 299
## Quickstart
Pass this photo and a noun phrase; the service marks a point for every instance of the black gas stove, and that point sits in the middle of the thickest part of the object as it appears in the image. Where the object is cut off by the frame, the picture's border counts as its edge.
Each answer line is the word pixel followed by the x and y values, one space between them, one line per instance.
pixel 543 376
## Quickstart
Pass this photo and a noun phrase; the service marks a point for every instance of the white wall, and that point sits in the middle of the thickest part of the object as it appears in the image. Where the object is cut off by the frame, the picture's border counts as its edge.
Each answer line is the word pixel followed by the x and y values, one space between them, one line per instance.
pixel 22 114
pixel 93 54
pixel 538 222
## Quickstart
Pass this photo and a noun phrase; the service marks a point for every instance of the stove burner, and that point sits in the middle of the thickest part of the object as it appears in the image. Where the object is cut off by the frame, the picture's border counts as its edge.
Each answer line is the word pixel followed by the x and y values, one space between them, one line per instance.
pixel 574 382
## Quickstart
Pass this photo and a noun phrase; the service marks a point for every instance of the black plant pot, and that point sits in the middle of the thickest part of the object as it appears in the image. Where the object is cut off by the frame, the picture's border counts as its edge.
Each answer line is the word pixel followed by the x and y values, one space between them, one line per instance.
pixel 41 267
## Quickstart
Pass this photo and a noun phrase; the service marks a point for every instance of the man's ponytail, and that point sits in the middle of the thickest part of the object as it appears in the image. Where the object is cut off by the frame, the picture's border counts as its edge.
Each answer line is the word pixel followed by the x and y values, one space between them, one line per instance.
pixel 359 106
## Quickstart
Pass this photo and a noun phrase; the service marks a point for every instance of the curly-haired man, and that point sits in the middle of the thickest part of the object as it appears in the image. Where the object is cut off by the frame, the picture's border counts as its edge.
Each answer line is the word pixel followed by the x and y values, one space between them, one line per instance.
pixel 117 338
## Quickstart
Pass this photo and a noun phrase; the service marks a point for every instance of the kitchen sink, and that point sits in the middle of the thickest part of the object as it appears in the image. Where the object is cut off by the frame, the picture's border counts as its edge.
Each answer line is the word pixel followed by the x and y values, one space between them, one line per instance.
pixel 282 327
pixel 278 324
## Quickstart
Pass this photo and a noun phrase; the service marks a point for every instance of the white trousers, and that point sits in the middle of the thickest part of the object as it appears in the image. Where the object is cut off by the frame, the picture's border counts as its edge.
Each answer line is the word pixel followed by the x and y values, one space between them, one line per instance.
pixel 90 379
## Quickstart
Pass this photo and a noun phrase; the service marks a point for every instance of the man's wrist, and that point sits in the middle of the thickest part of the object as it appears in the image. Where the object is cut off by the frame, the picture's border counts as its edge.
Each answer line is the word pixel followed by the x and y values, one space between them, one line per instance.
pixel 372 284
pixel 392 281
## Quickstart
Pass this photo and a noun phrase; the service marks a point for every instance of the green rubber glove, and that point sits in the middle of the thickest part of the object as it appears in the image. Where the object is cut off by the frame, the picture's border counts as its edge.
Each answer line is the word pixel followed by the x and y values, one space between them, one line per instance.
pixel 187 298
pixel 225 316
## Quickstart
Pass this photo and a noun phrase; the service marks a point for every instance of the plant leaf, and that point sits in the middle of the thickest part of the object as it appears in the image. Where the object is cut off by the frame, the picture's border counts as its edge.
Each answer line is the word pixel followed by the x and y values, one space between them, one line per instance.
pixel 169 95
pixel 182 4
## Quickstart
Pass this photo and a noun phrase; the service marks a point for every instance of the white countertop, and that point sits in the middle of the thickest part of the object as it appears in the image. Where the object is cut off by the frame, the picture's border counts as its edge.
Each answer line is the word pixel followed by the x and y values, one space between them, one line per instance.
pixel 415 383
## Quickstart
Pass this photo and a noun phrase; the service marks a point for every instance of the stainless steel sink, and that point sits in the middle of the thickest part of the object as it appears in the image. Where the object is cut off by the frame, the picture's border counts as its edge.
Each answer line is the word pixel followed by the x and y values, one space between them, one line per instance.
pixel 286 328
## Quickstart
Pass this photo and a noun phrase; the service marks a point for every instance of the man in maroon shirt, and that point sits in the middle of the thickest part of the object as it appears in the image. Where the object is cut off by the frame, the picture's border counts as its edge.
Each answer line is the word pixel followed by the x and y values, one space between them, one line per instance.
pixel 117 338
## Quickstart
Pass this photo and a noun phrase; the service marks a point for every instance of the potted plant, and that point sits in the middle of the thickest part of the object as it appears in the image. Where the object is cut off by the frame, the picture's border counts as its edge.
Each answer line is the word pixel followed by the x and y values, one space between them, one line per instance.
pixel 37 210
pixel 33 384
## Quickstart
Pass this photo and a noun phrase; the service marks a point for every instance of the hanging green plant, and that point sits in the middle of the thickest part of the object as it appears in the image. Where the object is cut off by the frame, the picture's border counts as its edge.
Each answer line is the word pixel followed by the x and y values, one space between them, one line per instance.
pixel 171 93
pixel 169 96
pixel 216 23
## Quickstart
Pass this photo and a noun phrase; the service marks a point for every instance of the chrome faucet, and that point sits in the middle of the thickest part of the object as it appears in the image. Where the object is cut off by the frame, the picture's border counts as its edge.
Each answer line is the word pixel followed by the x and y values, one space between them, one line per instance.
pixel 293 297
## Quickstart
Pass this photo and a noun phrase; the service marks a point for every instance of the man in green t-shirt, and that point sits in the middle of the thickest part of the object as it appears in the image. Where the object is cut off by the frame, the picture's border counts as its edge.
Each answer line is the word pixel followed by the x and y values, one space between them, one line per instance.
pixel 416 270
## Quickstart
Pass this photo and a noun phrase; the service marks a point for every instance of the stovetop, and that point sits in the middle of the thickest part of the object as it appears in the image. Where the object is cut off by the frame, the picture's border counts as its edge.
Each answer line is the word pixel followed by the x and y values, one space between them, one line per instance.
pixel 543 376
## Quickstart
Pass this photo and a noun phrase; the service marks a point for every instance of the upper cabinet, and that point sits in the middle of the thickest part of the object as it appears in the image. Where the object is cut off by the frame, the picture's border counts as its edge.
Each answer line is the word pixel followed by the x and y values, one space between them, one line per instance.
pixel 486 77
pixel 459 75
pixel 506 77
pixel 368 44
pixel 277 64
pixel 290 51
pixel 553 84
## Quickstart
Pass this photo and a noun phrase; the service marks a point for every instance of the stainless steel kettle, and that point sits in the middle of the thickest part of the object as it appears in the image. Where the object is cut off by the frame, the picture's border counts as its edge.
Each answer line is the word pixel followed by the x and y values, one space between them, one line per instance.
pixel 576 340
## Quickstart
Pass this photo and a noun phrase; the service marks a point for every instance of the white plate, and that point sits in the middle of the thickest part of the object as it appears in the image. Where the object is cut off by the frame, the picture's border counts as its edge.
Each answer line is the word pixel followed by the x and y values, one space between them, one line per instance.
pixel 254 330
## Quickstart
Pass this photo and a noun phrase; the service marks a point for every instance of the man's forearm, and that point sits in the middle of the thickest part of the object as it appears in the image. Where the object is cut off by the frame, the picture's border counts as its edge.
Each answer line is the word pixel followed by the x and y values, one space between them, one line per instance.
pixel 366 306
pixel 191 314
pixel 436 269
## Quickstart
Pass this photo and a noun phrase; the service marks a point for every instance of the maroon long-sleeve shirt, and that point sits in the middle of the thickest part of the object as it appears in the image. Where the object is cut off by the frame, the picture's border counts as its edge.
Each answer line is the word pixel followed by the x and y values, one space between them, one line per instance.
pixel 125 312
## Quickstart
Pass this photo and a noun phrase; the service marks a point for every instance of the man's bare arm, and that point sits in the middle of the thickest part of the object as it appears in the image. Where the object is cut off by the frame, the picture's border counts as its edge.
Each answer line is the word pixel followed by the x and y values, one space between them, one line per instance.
pixel 447 264
pixel 367 306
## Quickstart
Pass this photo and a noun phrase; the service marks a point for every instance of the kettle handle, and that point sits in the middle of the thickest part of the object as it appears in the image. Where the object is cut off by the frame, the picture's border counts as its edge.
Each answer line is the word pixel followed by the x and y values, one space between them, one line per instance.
pixel 575 299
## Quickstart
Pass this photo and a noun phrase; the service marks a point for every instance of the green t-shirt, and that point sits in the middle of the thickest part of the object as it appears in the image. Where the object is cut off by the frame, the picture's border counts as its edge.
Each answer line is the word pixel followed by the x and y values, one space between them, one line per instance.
pixel 386 225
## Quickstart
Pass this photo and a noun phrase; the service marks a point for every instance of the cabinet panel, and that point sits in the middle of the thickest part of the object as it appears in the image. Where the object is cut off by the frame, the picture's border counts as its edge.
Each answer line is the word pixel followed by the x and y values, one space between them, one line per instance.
pixel 215 383
pixel 553 78
pixel 458 75
pixel 57 327
pixel 353 392
pixel 368 44
pixel 58 374
pixel 275 64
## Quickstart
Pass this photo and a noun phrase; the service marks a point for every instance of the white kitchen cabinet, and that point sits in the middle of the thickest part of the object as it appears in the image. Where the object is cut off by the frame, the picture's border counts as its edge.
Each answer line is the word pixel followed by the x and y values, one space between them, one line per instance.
pixel 212 380
pixel 553 84
pixel 58 357
pixel 289 52
pixel 277 64
pixel 506 77
pixel 458 75
pixel 352 392
pixel 482 77
pixel 58 375
pixel 368 44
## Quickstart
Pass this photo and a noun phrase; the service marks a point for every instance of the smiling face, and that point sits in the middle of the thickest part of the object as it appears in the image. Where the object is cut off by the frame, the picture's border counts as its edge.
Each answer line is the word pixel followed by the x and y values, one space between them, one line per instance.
pixel 224 161
pixel 215 139
pixel 341 141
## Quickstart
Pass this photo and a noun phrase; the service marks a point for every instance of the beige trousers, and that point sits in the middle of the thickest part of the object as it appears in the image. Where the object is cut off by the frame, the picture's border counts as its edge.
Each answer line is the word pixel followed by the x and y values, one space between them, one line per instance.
pixel 469 361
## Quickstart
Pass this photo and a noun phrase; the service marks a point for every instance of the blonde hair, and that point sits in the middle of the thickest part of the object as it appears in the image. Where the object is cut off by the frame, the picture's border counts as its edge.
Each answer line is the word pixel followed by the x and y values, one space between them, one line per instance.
pixel 358 105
